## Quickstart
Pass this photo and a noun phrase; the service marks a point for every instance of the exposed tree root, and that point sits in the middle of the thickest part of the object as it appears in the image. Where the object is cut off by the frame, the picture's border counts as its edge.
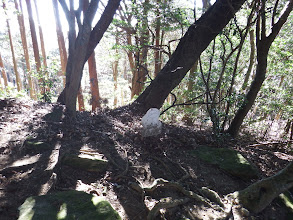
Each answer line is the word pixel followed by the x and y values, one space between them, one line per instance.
pixel 165 204
pixel 259 195
pixel 239 204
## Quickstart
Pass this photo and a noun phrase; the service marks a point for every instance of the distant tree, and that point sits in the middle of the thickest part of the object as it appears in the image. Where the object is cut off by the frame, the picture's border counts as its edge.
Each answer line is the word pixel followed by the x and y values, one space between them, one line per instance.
pixel 25 47
pixel 44 57
pixel 35 44
pixel 17 76
pixel 2 69
pixel 61 41
pixel 82 46
pixel 263 44
pixel 93 75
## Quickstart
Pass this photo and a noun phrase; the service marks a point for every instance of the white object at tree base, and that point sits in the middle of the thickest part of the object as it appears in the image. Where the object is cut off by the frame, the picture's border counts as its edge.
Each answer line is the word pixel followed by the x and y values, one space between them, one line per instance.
pixel 151 124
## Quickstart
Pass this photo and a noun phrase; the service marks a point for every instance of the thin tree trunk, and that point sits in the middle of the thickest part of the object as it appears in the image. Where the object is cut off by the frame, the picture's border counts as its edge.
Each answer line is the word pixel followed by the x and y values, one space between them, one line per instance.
pixel 18 80
pixel 35 43
pixel 157 41
pixel 141 59
pixel 81 48
pixel 115 73
pixel 61 42
pixel 192 76
pixel 80 100
pixel 41 36
pixel 263 46
pixel 2 69
pixel 251 59
pixel 25 48
pixel 94 83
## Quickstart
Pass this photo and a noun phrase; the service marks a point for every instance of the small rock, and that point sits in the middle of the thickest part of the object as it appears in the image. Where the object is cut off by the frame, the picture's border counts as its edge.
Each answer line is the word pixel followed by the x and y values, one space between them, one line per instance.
pixel 151 124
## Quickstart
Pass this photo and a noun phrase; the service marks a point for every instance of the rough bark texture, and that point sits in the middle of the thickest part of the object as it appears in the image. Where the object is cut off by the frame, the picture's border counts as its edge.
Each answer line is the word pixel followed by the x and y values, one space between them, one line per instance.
pixel 259 195
pixel 263 46
pixel 194 42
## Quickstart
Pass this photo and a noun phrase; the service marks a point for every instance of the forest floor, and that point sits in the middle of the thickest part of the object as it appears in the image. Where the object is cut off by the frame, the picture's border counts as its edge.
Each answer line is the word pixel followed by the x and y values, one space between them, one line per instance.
pixel 114 135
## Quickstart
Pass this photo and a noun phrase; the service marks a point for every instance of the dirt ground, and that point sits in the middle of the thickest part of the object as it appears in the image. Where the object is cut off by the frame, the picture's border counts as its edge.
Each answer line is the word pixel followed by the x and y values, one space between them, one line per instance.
pixel 114 135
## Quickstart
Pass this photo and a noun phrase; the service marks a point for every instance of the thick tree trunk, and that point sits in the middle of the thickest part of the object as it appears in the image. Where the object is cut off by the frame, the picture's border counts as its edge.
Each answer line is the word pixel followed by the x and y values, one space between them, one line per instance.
pixel 194 42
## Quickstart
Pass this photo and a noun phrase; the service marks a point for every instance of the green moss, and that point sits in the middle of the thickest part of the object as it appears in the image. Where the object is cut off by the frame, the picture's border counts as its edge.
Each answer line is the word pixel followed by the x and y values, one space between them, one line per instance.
pixel 228 160
pixel 89 163
pixel 37 145
pixel 69 205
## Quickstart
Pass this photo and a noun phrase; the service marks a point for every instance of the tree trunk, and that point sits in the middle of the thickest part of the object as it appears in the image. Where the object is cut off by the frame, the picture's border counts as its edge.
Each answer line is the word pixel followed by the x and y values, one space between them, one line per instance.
pixel 157 40
pixel 34 42
pixel 141 58
pixel 18 80
pixel 25 47
pixel 94 83
pixel 61 42
pixel 115 73
pixel 194 42
pixel 263 46
pixel 80 100
pixel 2 69
pixel 41 36
pixel 251 59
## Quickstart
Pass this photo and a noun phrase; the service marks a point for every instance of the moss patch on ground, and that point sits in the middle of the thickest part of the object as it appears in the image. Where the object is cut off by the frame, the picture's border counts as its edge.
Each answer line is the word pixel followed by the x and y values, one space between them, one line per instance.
pixel 227 159
pixel 67 205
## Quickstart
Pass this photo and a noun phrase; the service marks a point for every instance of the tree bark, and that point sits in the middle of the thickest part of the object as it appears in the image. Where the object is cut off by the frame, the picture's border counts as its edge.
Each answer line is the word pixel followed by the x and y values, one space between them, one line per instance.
pixel 2 69
pixel 61 42
pixel 94 83
pixel 194 42
pixel 251 59
pixel 17 76
pixel 25 47
pixel 34 41
pixel 81 48
pixel 263 46
pixel 41 36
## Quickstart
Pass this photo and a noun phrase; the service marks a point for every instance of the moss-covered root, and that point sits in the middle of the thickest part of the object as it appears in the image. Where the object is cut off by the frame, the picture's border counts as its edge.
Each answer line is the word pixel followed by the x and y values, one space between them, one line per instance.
pixel 259 195
pixel 164 204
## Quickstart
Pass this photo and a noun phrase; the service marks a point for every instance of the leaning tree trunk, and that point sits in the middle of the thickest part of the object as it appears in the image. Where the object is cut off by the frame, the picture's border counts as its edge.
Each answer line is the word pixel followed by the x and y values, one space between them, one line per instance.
pixel 195 41
pixel 263 46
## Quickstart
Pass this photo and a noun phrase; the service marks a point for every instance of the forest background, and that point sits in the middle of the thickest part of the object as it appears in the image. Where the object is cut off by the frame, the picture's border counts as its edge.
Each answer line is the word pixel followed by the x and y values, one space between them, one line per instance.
pixel 138 43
